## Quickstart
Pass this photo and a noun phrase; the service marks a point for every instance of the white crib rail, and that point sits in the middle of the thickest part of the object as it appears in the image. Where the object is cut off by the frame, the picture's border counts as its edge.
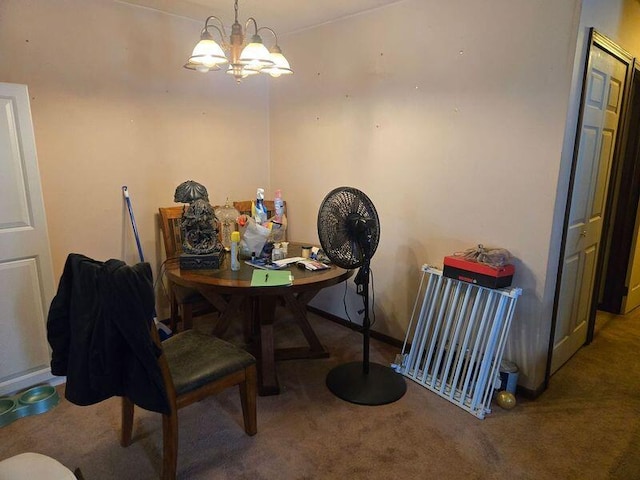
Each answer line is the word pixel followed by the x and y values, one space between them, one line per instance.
pixel 458 340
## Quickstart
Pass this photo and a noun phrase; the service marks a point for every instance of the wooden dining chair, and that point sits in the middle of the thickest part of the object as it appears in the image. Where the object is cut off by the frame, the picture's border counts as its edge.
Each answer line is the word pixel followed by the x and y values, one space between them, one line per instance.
pixel 185 302
pixel 194 366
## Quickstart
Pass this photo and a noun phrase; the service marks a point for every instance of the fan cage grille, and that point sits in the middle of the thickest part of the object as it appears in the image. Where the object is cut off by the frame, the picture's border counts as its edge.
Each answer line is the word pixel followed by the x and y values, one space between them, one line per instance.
pixel 336 237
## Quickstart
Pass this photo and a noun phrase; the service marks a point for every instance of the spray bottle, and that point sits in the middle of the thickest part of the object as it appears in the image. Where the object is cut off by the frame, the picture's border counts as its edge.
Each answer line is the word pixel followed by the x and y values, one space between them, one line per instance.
pixel 279 218
pixel 278 204
pixel 261 209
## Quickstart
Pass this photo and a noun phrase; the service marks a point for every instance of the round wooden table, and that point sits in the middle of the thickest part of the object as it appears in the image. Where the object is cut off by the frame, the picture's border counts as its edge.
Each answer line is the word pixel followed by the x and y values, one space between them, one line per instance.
pixel 231 291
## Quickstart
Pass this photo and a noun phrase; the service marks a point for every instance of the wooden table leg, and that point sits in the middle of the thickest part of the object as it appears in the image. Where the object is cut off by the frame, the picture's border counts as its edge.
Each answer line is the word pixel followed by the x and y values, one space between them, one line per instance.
pixel 297 305
pixel 264 314
pixel 227 309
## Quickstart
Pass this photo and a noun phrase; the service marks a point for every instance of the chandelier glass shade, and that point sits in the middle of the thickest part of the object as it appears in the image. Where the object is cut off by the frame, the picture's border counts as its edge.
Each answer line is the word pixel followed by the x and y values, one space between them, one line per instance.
pixel 244 59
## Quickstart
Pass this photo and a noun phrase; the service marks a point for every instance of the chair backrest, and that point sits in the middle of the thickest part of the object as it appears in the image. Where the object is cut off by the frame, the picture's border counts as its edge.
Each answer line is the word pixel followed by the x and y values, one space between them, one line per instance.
pixel 164 368
pixel 244 207
pixel 170 225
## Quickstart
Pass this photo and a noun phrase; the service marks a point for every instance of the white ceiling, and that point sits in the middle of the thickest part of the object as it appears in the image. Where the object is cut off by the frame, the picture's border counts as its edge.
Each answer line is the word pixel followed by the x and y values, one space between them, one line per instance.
pixel 284 16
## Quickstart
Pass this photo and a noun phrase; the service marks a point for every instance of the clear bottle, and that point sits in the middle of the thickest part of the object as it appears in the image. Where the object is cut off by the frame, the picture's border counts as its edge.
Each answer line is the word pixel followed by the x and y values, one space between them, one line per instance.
pixel 227 217
pixel 235 242
pixel 279 218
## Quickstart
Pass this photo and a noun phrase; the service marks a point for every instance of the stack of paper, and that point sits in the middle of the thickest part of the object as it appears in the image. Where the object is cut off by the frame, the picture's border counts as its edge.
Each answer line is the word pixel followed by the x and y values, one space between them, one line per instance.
pixel 267 265
pixel 271 278
pixel 313 265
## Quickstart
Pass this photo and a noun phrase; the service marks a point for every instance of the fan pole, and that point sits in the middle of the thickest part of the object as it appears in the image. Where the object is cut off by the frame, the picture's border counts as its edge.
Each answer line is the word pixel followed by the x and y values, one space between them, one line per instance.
pixel 366 383
pixel 366 323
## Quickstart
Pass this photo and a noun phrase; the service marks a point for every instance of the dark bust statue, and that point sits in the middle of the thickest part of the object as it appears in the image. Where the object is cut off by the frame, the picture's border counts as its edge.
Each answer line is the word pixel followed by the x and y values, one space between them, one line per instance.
pixel 199 226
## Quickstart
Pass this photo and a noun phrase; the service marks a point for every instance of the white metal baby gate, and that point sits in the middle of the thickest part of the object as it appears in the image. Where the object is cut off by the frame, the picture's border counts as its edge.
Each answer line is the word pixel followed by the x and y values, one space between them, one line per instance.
pixel 458 339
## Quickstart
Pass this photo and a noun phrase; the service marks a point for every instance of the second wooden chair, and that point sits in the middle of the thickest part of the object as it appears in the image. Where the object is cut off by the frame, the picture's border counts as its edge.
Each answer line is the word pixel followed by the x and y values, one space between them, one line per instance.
pixel 185 302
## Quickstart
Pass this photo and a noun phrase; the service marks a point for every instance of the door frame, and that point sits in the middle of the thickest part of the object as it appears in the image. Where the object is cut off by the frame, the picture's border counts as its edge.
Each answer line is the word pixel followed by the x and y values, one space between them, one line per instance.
pixel 595 39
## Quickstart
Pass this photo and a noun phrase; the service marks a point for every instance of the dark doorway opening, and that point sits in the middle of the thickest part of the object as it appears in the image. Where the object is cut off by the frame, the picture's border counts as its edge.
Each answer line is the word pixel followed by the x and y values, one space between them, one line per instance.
pixel 621 238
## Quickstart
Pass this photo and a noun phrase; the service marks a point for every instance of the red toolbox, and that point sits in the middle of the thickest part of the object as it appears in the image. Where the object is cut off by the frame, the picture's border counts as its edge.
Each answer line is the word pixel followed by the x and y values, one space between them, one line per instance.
pixel 478 273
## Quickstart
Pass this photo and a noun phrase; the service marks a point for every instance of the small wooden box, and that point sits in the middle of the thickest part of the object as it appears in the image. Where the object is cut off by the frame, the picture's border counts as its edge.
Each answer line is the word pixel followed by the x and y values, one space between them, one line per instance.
pixel 210 261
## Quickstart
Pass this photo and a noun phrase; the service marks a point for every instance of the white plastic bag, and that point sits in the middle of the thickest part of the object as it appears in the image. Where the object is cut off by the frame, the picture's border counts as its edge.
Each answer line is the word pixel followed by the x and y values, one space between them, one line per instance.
pixel 253 238
pixel 495 257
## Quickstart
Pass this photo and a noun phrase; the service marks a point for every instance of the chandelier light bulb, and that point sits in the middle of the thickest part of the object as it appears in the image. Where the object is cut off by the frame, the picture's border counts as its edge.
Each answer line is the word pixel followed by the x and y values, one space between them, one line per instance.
pixel 280 64
pixel 208 52
pixel 255 55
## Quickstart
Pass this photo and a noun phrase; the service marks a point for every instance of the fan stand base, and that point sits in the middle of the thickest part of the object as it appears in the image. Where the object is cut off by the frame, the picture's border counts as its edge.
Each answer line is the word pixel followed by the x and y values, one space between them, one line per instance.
pixel 379 387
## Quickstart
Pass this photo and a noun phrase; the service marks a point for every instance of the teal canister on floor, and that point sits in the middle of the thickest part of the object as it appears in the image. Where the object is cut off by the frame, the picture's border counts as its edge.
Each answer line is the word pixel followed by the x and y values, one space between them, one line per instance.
pixel 508 376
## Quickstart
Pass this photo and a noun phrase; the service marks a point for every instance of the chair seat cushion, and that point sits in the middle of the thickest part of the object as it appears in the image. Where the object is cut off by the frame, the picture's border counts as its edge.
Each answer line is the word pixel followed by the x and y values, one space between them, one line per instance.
pixel 196 359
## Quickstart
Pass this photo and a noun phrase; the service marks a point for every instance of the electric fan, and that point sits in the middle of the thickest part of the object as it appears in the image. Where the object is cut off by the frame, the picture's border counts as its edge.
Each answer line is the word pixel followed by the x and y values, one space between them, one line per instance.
pixel 349 231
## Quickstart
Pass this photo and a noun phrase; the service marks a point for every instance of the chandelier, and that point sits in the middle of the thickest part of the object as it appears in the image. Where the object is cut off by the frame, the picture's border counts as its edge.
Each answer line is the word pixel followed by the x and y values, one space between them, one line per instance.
pixel 244 59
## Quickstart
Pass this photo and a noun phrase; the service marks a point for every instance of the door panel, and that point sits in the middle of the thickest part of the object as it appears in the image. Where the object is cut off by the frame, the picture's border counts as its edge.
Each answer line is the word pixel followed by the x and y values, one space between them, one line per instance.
pixel 26 276
pixel 24 319
pixel 14 211
pixel 605 79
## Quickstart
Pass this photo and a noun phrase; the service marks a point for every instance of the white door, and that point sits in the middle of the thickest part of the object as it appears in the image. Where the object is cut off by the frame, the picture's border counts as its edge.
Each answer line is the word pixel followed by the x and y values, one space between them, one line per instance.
pixel 26 274
pixel 602 104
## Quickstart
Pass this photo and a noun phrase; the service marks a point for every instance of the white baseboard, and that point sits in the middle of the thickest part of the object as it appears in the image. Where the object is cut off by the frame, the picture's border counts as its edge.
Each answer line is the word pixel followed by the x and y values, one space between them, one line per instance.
pixel 39 377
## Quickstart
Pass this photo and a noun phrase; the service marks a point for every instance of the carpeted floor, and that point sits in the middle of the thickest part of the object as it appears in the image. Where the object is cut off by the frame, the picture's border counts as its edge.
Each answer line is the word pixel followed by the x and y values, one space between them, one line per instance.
pixel 585 426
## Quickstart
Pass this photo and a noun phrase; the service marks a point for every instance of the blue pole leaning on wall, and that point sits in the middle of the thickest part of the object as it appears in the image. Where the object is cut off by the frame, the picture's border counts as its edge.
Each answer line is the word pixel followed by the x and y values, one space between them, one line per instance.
pixel 127 199
pixel 163 330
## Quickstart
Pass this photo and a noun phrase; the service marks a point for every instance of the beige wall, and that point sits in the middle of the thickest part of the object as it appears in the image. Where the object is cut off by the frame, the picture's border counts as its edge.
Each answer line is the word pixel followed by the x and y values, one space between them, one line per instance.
pixel 112 106
pixel 629 32
pixel 450 116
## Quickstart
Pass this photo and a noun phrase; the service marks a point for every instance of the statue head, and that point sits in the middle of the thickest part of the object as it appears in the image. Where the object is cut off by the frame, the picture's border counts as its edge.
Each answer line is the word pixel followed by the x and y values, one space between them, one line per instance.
pixel 190 191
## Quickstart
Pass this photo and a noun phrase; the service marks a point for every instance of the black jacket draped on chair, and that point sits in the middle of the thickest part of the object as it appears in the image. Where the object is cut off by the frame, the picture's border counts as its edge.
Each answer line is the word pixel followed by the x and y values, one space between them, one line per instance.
pixel 103 348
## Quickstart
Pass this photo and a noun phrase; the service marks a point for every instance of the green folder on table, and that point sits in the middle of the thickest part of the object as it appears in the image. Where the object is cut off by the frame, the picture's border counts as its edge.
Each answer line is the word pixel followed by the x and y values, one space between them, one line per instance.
pixel 271 278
